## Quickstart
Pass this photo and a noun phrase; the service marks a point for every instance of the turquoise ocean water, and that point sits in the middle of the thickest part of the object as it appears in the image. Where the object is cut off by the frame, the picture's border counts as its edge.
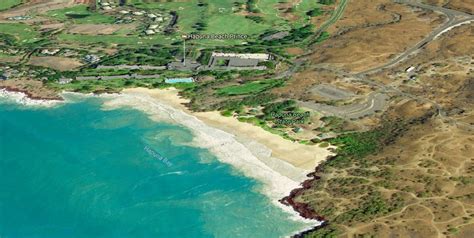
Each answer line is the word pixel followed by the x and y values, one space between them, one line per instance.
pixel 78 171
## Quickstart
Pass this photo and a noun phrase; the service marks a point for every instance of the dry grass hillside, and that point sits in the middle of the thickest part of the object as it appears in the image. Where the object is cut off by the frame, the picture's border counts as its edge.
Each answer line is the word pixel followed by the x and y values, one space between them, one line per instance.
pixel 431 170
pixel 444 73
pixel 373 32
pixel 413 176
pixel 460 5
pixel 420 183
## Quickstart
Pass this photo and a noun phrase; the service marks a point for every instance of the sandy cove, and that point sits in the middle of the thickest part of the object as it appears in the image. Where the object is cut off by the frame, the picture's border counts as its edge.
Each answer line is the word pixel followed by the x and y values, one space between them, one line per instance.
pixel 300 156
pixel 281 165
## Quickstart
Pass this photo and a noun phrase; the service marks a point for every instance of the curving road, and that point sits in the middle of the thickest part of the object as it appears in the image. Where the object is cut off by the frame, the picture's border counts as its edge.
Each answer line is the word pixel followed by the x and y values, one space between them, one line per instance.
pixel 377 100
pixel 455 18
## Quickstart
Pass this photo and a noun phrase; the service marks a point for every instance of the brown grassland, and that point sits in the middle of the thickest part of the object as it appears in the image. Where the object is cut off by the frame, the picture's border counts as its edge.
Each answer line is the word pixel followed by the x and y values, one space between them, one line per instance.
pixel 370 34
pixel 460 5
pixel 55 62
pixel 419 181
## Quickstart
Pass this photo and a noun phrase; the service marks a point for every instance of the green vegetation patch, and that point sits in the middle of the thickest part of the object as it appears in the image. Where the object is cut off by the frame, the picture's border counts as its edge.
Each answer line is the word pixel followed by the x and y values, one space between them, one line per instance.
pixel 7 4
pixel 315 12
pixel 142 56
pixel 132 41
pixel 308 8
pixel 109 86
pixel 189 13
pixel 324 36
pixel 249 88
pixel 285 113
pixel 352 175
pixel 353 147
pixel 357 145
pixel 372 206
pixel 80 14
pixel 21 32
pixel 327 2
pixel 231 23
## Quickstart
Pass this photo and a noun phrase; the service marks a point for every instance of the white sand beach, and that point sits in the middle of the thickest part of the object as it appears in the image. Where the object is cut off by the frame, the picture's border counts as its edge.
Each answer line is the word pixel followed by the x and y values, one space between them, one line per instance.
pixel 280 164
pixel 299 155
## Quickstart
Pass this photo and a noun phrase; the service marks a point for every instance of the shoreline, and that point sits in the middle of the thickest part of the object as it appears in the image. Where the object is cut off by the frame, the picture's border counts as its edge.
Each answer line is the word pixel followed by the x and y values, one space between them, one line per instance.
pixel 28 94
pixel 282 176
pixel 256 153
pixel 23 98
pixel 301 156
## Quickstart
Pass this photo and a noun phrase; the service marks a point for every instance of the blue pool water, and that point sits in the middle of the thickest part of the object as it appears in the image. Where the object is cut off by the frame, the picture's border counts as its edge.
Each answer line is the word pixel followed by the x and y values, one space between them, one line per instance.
pixel 78 171
pixel 179 80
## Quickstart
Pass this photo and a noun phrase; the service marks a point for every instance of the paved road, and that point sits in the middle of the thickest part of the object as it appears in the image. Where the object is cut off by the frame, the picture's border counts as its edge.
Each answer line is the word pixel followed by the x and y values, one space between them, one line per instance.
pixel 331 92
pixel 375 102
pixel 455 18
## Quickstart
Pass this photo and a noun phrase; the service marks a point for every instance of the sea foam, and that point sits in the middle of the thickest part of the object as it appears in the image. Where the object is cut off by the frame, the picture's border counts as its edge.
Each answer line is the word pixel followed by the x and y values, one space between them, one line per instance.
pixel 23 99
pixel 226 147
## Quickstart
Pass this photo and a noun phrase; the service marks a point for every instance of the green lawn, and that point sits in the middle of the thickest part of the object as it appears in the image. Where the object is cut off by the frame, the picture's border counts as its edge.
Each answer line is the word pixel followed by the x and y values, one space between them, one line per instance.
pixel 220 17
pixel 307 5
pixel 23 33
pixel 7 4
pixel 248 88
pixel 80 14
pixel 232 23
pixel 217 14
pixel 135 41
pixel 3 55
pixel 189 13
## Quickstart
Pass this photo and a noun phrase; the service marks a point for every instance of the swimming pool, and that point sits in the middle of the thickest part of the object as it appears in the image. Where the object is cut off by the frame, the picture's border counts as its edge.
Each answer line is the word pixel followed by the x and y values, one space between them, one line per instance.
pixel 179 80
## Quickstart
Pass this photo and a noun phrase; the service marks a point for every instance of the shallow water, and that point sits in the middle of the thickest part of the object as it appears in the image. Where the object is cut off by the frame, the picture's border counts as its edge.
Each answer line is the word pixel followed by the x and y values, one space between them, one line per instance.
pixel 77 171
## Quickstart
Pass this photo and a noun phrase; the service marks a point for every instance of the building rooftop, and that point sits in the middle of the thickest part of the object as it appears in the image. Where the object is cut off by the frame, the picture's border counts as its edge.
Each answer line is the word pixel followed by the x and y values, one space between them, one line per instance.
pixel 179 65
pixel 238 62
pixel 257 56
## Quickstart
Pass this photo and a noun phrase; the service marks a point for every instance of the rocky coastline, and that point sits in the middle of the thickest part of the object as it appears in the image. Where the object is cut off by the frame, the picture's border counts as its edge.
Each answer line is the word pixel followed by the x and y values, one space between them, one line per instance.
pixel 303 209
pixel 29 94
